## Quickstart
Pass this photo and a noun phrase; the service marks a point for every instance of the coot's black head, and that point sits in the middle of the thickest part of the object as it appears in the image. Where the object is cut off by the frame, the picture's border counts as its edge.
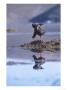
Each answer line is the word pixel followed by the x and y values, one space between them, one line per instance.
pixel 34 26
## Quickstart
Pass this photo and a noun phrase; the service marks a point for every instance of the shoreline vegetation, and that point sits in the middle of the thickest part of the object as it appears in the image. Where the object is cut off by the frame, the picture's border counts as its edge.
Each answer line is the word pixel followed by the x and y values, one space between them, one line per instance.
pixel 11 30
pixel 40 45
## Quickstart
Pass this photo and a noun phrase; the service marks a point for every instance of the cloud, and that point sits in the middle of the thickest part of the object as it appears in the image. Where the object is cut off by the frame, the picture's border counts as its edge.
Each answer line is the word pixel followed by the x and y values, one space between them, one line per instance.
pixel 19 14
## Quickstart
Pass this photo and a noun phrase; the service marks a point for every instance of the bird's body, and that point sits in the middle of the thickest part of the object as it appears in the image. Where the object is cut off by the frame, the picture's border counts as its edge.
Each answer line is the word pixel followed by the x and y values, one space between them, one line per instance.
pixel 37 30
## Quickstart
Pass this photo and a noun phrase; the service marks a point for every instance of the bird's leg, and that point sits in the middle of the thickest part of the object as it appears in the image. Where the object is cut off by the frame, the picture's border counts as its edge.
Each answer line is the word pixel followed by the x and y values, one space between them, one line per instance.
pixel 40 54
pixel 34 35
pixel 40 37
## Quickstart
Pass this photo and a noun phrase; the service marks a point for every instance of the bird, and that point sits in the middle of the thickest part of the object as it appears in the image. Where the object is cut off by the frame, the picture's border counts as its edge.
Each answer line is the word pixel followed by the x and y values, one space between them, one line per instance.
pixel 37 30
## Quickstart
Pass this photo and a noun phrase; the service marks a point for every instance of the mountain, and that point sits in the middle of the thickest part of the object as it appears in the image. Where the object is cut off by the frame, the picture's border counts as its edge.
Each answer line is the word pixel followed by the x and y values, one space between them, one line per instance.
pixel 52 15
pixel 21 16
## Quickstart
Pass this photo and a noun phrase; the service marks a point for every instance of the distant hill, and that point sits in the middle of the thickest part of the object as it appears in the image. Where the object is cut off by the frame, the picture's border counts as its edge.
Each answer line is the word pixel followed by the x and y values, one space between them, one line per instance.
pixel 52 14
pixel 21 16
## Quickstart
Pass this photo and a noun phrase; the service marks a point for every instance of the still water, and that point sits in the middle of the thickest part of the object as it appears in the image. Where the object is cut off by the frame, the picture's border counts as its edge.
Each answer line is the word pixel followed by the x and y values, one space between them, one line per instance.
pixel 26 68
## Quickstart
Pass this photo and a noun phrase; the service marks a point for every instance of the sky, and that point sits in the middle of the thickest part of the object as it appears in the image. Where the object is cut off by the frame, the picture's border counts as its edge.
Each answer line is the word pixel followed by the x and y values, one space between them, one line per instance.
pixel 18 16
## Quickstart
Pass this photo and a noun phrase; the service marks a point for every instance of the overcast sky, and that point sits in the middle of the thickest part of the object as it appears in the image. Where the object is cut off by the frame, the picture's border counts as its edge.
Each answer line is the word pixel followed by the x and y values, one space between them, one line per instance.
pixel 18 15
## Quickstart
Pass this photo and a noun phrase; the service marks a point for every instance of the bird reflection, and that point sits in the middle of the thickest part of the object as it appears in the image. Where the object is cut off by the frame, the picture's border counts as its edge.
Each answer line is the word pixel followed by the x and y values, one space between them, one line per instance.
pixel 38 61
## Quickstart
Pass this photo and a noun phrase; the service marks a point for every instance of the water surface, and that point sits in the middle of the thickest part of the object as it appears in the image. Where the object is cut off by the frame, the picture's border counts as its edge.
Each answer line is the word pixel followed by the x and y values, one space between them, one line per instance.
pixel 20 63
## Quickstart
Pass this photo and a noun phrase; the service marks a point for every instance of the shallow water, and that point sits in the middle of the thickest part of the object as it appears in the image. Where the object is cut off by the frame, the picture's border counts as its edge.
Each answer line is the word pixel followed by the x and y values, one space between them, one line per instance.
pixel 20 63
pixel 21 38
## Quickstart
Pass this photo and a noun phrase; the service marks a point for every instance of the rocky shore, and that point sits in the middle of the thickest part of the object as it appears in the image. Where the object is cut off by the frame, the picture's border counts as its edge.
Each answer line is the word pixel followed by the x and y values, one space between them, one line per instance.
pixel 39 46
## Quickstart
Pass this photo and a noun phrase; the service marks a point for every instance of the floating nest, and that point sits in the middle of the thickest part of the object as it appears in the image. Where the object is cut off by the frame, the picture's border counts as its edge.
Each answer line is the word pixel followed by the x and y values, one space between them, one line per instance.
pixel 39 46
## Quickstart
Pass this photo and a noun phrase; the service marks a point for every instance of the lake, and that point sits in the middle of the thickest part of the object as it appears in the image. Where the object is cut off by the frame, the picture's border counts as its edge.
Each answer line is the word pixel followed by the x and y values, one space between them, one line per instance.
pixel 23 69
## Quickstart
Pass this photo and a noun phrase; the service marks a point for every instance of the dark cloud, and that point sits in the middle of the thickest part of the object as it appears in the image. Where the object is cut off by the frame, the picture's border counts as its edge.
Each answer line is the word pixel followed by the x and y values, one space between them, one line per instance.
pixel 19 14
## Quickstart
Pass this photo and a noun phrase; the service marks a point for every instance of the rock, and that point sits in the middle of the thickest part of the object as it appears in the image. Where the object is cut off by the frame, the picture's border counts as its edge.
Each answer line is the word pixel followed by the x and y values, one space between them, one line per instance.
pixel 39 46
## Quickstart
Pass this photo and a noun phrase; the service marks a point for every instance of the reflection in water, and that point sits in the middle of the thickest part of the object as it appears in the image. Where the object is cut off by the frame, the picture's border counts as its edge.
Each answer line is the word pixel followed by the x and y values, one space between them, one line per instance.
pixel 39 56
pixel 17 68
pixel 38 61
pixel 22 71
pixel 16 63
